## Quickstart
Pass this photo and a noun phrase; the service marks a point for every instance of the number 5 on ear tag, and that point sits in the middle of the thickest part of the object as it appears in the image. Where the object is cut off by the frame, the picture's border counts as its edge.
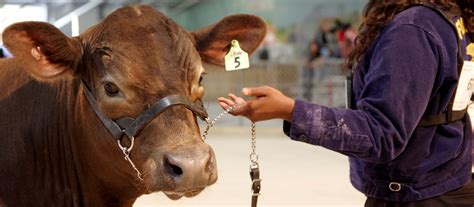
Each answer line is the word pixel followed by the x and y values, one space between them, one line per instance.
pixel 236 58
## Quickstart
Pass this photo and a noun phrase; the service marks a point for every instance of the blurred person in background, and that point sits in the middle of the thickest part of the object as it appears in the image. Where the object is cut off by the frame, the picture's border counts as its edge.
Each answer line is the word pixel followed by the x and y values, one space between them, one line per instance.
pixel 346 36
pixel 326 40
pixel 309 69
pixel 405 71
pixel 268 42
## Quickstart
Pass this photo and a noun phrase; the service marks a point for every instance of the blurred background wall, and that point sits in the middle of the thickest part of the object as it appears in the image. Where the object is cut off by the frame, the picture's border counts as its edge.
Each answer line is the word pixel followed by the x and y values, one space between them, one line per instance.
pixel 287 60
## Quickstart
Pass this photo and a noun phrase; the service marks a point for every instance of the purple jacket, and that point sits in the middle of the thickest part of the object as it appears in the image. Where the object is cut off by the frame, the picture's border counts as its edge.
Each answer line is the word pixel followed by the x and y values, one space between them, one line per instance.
pixel 409 70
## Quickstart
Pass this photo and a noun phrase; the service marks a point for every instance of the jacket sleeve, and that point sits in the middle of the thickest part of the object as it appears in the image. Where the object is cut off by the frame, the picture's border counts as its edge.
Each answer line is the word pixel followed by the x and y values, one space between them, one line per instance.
pixel 395 93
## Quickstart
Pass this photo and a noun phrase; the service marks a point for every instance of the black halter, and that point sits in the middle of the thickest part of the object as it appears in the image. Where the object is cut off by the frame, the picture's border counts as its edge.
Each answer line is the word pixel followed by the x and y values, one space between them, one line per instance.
pixel 131 126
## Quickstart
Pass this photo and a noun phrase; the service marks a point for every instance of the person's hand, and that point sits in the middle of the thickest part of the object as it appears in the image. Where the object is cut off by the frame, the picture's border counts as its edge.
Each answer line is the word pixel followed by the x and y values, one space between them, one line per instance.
pixel 269 103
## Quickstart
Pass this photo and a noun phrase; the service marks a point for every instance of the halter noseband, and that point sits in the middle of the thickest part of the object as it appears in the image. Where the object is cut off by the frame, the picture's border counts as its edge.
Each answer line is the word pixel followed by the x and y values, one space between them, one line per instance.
pixel 132 126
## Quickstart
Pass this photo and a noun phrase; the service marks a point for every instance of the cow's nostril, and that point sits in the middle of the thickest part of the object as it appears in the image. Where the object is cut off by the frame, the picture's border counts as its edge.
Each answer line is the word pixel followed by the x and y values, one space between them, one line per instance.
pixel 173 169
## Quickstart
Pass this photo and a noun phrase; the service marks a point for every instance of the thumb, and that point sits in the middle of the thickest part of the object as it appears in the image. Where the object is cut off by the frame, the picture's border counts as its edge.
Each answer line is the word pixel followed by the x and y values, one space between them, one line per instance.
pixel 258 91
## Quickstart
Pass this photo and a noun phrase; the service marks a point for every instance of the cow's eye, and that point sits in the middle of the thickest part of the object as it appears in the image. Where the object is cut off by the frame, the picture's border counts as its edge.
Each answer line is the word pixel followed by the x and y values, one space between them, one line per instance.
pixel 202 77
pixel 111 89
pixel 200 80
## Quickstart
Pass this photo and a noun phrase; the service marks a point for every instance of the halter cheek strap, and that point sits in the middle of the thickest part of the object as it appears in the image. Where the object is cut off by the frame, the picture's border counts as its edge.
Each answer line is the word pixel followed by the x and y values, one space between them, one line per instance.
pixel 132 126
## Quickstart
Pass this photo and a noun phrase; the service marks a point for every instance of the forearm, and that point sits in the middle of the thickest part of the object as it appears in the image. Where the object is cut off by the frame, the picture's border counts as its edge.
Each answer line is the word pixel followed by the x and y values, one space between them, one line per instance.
pixel 355 133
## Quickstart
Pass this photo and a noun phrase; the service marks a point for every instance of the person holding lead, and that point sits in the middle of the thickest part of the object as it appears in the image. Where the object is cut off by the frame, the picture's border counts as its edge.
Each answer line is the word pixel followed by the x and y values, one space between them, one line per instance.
pixel 406 133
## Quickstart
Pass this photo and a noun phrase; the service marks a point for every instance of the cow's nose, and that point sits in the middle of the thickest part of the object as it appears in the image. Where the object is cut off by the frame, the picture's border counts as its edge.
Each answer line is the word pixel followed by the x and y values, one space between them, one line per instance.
pixel 172 167
pixel 194 169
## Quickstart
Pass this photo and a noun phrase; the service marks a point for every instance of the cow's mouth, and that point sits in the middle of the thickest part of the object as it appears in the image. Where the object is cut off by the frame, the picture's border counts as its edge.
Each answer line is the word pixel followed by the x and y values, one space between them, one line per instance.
pixel 175 195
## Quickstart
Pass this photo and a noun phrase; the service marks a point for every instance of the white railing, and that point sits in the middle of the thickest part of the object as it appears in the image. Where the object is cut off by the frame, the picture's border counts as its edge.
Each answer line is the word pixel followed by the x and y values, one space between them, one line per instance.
pixel 73 17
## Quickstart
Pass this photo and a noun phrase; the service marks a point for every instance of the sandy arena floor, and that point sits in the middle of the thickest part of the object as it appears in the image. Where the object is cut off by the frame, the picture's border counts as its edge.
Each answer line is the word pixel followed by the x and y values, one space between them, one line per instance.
pixel 293 173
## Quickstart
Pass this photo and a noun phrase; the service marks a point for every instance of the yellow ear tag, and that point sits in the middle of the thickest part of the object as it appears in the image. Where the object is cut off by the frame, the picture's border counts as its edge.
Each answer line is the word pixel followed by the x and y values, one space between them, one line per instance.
pixel 236 58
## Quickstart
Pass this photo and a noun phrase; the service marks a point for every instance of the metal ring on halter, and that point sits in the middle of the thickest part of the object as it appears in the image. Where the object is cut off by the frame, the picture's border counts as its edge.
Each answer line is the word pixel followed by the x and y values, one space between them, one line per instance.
pixel 125 149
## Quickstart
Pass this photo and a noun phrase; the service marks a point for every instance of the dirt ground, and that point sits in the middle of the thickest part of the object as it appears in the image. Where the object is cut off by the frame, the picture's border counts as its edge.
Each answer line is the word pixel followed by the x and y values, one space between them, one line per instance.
pixel 293 173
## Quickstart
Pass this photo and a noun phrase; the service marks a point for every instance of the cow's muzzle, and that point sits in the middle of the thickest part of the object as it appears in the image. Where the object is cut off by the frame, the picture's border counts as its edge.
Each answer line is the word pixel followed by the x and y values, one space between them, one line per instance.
pixel 188 170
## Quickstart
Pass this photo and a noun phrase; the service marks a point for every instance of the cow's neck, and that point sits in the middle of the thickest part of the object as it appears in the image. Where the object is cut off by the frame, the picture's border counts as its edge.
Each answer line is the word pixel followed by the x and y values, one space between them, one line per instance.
pixel 62 154
pixel 41 164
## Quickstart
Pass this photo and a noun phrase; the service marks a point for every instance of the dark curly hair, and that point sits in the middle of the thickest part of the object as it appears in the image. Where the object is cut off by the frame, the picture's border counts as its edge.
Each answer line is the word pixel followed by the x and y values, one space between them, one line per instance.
pixel 378 13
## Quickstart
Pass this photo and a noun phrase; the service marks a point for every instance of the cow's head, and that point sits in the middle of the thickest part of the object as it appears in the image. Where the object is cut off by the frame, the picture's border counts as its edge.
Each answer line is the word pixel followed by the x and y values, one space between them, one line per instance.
pixel 135 57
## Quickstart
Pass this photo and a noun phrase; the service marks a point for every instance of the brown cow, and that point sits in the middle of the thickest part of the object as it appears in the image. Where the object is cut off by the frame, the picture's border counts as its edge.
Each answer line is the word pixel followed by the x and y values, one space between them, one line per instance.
pixel 58 94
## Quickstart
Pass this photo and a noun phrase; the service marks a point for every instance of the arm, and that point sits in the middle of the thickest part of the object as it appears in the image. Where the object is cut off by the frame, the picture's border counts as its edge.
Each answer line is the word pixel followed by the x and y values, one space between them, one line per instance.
pixel 396 91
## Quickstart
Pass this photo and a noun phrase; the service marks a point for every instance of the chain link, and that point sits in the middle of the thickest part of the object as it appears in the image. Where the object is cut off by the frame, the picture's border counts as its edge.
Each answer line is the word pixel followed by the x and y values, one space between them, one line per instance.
pixel 253 155
pixel 211 123
pixel 126 152
pixel 254 167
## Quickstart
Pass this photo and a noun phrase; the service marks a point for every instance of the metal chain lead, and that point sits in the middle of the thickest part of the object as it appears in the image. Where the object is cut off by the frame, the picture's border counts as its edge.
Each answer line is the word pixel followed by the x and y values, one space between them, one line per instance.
pixel 211 123
pixel 253 154
pixel 254 168
pixel 126 152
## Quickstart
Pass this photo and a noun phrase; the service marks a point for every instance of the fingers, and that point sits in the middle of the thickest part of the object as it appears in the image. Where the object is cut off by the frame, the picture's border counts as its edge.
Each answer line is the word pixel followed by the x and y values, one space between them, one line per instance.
pixel 223 105
pixel 257 92
pixel 226 101
pixel 237 100
pixel 233 100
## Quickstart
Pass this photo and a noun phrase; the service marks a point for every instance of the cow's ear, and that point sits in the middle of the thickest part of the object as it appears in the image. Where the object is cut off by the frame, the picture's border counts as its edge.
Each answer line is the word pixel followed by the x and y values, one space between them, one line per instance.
pixel 47 52
pixel 213 42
